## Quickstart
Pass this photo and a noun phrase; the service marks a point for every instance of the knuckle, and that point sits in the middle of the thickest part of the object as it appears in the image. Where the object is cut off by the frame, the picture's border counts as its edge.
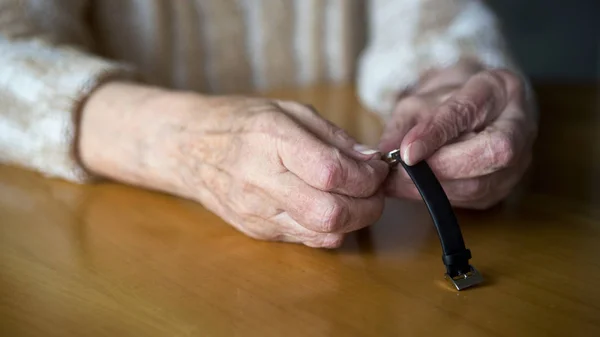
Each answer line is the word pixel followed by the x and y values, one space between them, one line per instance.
pixel 442 129
pixel 334 218
pixel 338 132
pixel 503 152
pixel 332 173
pixel 463 110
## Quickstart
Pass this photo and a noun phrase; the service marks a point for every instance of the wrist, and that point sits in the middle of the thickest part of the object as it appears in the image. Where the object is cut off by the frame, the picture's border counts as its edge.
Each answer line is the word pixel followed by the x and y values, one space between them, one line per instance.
pixel 127 133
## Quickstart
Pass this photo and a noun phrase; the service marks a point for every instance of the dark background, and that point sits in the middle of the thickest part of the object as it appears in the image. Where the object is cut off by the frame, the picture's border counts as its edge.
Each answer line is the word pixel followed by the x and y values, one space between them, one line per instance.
pixel 553 40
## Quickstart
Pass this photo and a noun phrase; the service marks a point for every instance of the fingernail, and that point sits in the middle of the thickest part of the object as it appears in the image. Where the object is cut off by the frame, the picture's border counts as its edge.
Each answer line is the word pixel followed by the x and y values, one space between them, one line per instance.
pixel 414 152
pixel 364 149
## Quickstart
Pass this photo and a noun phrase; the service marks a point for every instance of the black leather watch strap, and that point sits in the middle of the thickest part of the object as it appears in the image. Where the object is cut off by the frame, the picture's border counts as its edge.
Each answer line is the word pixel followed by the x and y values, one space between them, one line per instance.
pixel 454 253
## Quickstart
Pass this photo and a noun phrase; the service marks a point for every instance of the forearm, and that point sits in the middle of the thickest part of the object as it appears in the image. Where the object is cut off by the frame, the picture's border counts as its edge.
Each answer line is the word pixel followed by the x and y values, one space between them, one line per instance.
pixel 129 133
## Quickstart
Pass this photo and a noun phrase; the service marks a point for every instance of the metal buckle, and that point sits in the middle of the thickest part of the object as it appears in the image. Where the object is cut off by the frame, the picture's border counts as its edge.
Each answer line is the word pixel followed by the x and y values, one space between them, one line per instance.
pixel 464 281
pixel 392 157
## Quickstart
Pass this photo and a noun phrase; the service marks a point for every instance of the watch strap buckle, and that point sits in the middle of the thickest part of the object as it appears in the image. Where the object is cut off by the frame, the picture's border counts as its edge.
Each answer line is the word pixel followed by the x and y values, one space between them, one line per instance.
pixel 465 280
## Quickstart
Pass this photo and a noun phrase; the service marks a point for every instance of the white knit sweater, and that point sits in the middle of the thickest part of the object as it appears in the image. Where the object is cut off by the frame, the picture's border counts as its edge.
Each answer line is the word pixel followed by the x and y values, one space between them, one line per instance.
pixel 53 53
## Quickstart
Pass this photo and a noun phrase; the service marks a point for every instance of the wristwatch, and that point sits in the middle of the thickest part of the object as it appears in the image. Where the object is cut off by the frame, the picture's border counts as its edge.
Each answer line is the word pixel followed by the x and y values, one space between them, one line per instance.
pixel 454 253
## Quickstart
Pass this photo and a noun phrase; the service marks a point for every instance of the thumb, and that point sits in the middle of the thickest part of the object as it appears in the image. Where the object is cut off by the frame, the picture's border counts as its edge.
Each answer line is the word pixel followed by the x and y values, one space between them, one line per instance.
pixel 480 101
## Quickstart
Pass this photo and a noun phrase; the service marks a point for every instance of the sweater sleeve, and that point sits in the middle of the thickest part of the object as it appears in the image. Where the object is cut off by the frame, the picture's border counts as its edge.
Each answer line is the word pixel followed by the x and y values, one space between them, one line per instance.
pixel 45 75
pixel 409 37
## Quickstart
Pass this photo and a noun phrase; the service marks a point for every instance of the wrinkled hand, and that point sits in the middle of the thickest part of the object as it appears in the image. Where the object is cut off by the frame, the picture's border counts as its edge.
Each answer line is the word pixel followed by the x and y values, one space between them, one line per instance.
pixel 277 171
pixel 477 138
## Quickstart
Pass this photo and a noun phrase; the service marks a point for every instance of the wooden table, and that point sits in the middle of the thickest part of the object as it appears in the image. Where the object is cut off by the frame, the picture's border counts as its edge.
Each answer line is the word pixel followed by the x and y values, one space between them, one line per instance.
pixel 112 260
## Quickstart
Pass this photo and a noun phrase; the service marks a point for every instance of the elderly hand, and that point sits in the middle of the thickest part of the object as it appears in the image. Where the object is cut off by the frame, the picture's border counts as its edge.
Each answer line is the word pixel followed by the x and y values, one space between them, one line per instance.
pixel 475 131
pixel 274 170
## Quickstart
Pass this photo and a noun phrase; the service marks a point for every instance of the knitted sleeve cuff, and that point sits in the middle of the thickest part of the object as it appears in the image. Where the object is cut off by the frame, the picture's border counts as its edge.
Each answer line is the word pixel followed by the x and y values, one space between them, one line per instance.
pixel 391 65
pixel 42 88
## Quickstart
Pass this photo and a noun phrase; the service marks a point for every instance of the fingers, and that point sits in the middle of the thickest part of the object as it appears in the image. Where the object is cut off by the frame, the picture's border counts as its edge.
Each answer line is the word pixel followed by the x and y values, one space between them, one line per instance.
pixel 485 192
pixel 497 147
pixel 293 232
pixel 324 212
pixel 327 168
pixel 282 227
pixel 409 111
pixel 328 132
pixel 478 193
pixel 478 102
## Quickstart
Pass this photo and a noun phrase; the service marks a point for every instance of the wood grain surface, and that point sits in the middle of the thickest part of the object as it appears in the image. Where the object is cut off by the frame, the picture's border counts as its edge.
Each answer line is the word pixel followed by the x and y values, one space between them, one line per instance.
pixel 112 260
